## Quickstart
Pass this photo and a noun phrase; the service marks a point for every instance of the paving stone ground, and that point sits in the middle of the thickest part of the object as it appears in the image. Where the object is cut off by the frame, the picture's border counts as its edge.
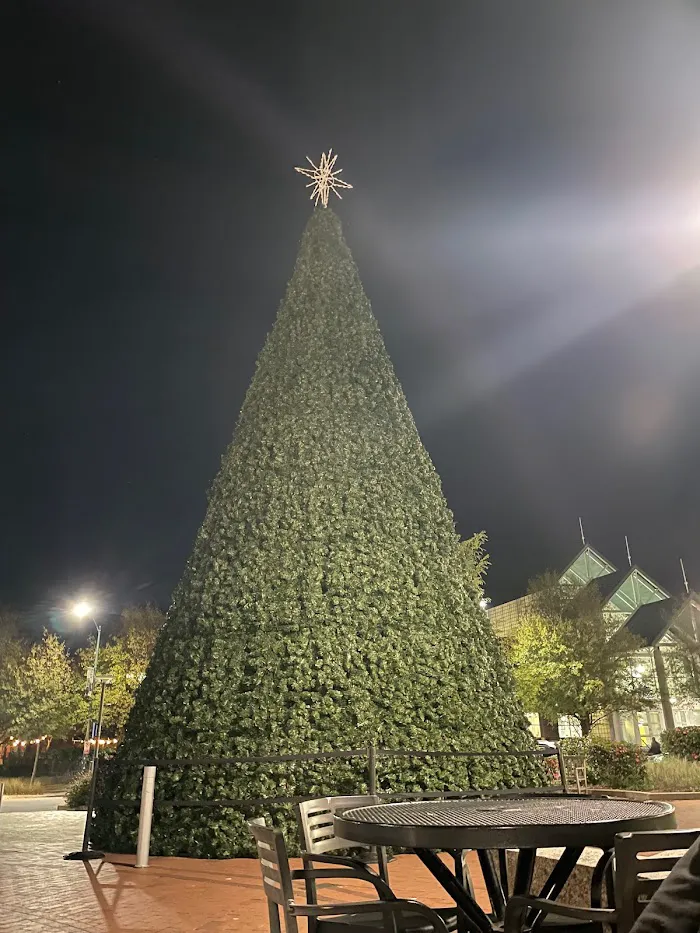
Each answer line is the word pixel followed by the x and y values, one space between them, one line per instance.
pixel 41 893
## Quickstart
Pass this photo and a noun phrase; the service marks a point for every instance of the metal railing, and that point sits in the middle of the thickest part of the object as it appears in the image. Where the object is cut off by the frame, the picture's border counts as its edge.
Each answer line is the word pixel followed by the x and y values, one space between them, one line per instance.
pixel 371 754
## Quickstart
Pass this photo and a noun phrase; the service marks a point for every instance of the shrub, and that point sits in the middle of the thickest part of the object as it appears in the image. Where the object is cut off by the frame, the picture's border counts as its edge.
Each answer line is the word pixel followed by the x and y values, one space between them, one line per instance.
pixel 683 742
pixel 78 792
pixel 673 774
pixel 617 764
pixel 551 767
pixel 575 748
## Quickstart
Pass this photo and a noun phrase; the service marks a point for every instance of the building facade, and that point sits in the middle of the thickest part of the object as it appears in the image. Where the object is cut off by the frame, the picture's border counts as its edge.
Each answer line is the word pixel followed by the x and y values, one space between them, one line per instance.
pixel 668 628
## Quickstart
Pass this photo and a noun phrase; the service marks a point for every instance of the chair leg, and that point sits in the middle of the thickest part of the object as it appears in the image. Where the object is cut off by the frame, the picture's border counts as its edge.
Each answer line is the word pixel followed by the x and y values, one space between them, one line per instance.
pixel 311 894
pixel 383 864
pixel 462 871
pixel 602 878
pixel 503 872
pixel 274 915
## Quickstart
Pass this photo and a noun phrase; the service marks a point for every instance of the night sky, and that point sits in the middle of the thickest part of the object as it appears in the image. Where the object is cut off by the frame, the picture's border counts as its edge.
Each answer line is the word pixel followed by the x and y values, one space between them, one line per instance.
pixel 525 217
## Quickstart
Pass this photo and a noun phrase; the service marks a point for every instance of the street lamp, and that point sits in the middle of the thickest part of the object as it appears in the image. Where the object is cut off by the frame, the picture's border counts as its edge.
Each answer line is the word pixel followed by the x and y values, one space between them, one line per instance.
pixel 83 610
pixel 86 853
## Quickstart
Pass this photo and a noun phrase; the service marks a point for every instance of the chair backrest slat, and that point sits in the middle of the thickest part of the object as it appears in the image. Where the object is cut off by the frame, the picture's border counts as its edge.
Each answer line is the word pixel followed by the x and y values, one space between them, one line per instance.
pixel 316 822
pixel 276 874
pixel 642 862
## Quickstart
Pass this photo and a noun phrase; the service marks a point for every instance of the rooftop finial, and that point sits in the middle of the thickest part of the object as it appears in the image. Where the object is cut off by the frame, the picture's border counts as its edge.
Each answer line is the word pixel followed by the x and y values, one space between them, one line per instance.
pixel 324 178
pixel 685 579
pixel 629 556
pixel 580 525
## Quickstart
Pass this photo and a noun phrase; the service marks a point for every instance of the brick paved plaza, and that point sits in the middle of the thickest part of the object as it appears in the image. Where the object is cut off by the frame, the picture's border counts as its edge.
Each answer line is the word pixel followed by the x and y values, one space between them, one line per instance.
pixel 40 893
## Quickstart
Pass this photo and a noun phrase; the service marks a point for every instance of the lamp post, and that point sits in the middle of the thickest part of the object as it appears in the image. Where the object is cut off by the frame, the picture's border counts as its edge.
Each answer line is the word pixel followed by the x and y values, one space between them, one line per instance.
pixel 86 853
pixel 83 610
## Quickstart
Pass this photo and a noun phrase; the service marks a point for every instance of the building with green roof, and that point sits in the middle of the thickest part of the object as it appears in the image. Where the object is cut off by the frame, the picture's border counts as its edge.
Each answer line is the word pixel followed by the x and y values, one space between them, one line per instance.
pixel 668 627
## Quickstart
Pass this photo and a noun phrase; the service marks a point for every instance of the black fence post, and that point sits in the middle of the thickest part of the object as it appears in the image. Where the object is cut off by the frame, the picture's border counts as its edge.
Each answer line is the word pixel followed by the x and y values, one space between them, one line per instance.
pixel 372 770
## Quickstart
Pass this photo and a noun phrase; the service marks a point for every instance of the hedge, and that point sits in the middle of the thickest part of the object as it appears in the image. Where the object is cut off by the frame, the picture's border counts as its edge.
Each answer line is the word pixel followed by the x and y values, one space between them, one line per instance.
pixel 683 742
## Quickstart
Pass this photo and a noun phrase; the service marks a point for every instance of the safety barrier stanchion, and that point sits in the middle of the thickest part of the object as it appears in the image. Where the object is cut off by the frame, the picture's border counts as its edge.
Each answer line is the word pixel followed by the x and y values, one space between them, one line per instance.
pixel 145 816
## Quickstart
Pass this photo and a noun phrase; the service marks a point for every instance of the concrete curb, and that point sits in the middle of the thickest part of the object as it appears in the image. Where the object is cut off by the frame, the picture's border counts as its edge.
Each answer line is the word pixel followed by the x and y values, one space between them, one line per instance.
pixel 648 794
pixel 31 796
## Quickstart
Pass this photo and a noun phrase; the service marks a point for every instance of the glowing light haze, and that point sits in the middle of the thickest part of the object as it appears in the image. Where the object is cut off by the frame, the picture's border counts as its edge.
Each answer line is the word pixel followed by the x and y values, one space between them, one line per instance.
pixel 526 220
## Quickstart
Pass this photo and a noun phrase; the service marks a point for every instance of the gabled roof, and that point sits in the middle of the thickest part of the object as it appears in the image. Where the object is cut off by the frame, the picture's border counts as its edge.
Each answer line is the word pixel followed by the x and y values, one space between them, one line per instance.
pixel 607 584
pixel 587 564
pixel 651 621
pixel 629 589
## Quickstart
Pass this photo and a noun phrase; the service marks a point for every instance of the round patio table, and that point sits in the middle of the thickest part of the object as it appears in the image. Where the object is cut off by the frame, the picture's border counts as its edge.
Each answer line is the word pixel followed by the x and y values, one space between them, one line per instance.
pixel 499 823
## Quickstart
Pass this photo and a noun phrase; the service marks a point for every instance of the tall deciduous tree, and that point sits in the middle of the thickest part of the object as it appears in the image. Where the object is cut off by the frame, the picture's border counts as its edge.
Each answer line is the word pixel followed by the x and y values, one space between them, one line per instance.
pixel 12 652
pixel 567 661
pixel 49 699
pixel 124 659
pixel 324 605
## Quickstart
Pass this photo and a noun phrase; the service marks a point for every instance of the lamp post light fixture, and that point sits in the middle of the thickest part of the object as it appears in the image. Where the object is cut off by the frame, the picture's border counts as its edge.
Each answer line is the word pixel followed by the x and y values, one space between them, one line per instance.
pixel 83 610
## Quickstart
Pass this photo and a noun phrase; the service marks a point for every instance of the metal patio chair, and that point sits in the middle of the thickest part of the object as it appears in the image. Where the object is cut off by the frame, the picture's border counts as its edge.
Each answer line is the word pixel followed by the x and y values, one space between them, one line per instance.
pixel 388 913
pixel 318 838
pixel 634 881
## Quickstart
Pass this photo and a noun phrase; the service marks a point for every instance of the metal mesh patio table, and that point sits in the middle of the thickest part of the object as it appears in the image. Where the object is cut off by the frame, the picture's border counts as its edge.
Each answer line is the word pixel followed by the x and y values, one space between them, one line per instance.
pixel 493 825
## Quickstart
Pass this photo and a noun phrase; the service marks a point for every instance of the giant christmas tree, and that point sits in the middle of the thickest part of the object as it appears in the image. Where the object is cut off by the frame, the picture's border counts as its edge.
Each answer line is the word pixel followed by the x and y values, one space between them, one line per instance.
pixel 323 606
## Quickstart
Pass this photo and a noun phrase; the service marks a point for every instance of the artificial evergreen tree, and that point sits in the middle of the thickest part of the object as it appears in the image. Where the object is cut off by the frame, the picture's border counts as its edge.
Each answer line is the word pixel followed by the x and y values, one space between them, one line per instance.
pixel 324 605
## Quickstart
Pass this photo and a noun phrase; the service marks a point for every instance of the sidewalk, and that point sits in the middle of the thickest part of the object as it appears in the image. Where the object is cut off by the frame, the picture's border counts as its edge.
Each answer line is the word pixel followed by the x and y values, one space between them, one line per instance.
pixel 40 893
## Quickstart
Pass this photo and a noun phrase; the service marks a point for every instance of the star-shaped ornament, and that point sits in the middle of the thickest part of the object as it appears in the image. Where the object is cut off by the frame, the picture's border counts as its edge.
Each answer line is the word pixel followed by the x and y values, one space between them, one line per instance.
pixel 324 178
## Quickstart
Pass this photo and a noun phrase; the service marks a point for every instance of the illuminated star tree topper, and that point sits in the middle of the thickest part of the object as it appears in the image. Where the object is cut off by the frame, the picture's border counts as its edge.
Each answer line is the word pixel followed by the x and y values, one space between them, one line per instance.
pixel 324 178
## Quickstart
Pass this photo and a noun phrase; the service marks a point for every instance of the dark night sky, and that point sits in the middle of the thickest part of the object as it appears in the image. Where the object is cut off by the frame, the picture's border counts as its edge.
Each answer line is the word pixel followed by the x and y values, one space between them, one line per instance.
pixel 526 219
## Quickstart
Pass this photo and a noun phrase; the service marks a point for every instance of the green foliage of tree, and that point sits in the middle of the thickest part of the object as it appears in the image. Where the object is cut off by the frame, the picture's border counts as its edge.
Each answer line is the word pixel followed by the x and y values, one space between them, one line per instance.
pixel 12 653
pixel 325 604
pixel 568 663
pixel 681 654
pixel 49 700
pixel 124 659
pixel 475 563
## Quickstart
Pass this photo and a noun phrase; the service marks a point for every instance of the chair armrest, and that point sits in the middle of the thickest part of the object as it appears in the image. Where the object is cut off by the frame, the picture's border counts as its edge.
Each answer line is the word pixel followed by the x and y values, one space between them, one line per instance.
pixel 339 860
pixel 367 907
pixel 382 888
pixel 519 905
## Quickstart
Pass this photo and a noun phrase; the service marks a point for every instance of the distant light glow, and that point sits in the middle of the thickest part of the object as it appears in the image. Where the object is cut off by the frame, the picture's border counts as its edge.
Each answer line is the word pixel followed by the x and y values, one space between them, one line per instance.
pixel 484 602
pixel 82 609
